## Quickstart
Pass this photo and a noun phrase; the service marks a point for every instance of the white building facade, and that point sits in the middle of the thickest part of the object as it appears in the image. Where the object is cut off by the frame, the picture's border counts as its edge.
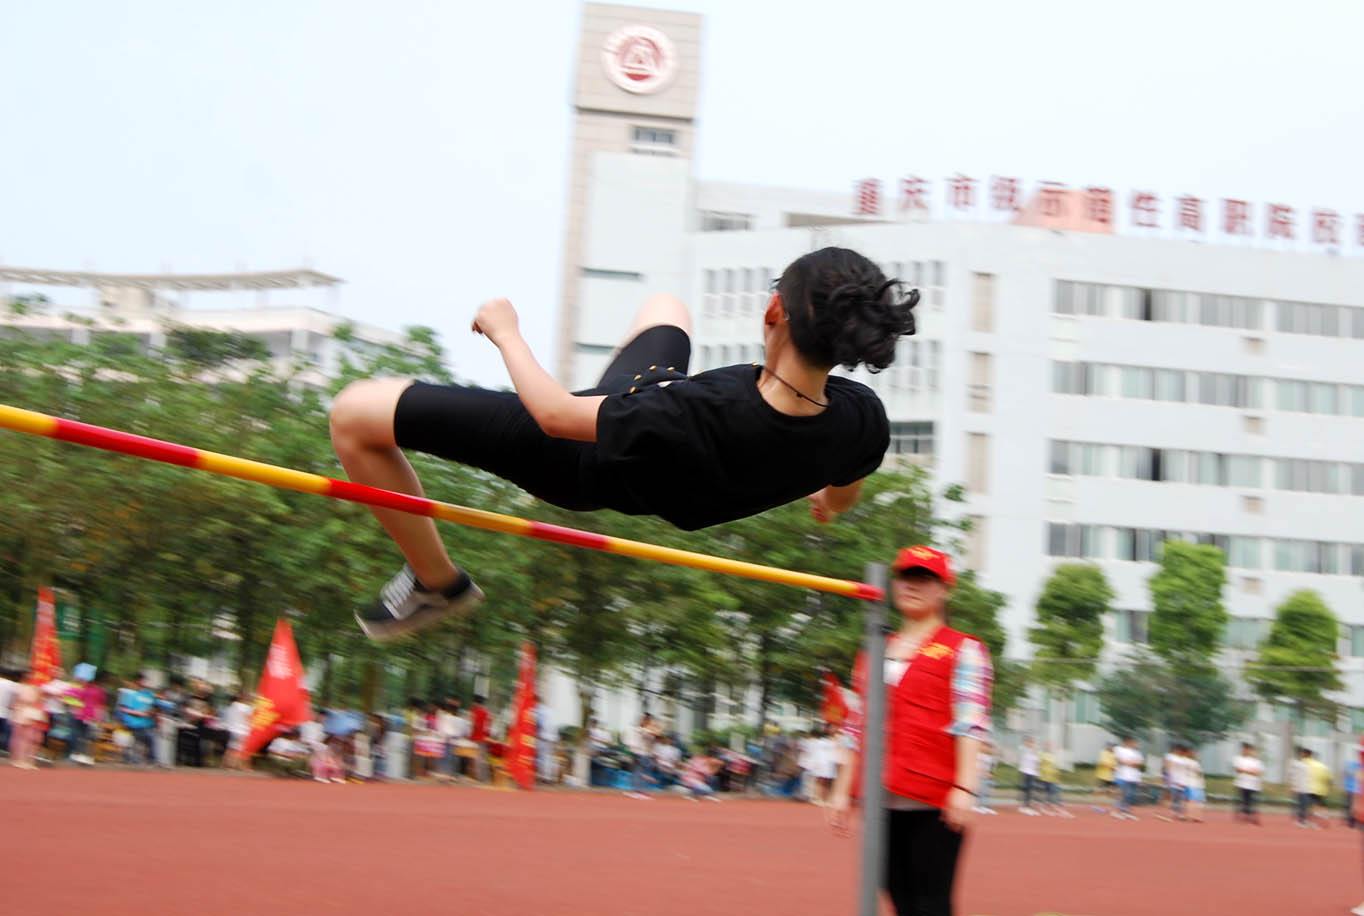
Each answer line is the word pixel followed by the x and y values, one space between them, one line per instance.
pixel 1094 393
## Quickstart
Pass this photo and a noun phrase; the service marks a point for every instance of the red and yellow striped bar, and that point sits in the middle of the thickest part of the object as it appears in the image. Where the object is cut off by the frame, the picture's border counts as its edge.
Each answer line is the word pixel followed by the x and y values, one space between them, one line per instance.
pixel 37 424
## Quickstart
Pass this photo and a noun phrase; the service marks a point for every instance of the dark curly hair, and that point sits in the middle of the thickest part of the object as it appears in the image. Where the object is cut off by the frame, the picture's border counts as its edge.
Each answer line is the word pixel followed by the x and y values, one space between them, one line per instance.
pixel 843 311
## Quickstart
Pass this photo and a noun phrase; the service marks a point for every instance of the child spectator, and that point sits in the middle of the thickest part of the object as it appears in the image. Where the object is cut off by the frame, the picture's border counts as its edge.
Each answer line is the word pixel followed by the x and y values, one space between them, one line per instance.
pixel 1297 782
pixel 326 764
pixel 698 773
pixel 1050 777
pixel 1029 764
pixel 1128 775
pixel 1249 772
pixel 1172 772
pixel 985 762
pixel 28 721
pixel 667 762
pixel 1318 787
pixel 1193 785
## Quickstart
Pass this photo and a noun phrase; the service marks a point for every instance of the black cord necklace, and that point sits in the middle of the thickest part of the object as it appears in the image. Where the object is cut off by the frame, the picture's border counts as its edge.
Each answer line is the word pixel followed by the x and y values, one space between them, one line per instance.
pixel 798 393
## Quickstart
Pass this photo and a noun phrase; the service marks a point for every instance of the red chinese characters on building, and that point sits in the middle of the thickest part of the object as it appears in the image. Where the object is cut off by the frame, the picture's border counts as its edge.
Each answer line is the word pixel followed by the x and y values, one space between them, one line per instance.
pixel 1006 194
pixel 1235 217
pixel 961 191
pixel 1326 227
pixel 1145 209
pixel 1279 221
pixel 1052 197
pixel 1359 229
pixel 867 197
pixel 1189 213
pixel 1099 205
pixel 913 193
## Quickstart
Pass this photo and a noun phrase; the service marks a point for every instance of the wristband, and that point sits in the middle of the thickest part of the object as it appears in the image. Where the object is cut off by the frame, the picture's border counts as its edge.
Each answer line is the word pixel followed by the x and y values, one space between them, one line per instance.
pixel 964 789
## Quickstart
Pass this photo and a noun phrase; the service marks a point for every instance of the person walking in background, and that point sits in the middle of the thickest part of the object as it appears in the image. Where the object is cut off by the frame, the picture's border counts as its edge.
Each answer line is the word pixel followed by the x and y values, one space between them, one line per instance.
pixel 824 757
pixel 937 682
pixel 137 712
pixel 9 683
pixel 698 775
pixel 1249 774
pixel 237 724
pixel 58 712
pixel 28 720
pixel 986 763
pixel 1350 782
pixel 1128 775
pixel 453 728
pixel 639 741
pixel 546 742
pixel 427 745
pixel 325 764
pixel 480 730
pixel 1050 776
pixel 1318 787
pixel 1029 769
pixel 1195 796
pixel 1103 774
pixel 667 762
pixel 1297 782
pixel 1172 771
pixel 90 702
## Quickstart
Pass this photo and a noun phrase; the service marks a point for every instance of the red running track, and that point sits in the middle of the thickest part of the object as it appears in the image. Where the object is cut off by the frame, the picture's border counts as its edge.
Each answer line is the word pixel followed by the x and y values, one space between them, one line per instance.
pixel 120 842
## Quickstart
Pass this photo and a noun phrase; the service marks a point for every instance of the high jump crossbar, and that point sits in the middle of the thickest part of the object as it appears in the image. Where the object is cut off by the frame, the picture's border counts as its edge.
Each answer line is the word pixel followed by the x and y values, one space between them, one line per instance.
pixel 50 427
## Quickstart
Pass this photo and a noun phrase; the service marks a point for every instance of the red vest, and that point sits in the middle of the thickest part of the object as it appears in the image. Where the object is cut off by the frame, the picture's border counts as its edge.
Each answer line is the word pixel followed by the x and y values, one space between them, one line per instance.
pixel 921 754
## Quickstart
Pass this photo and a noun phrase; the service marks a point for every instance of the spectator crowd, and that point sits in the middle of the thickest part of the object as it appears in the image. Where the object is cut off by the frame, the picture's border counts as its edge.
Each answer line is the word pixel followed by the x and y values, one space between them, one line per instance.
pixel 86 718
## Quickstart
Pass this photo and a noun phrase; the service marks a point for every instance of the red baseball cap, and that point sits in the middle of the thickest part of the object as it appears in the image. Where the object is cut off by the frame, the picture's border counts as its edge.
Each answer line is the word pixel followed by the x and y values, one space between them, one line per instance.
pixel 921 557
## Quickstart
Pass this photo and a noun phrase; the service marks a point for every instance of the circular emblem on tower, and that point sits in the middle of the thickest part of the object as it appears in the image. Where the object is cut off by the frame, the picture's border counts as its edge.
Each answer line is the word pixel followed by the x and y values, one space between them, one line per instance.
pixel 639 59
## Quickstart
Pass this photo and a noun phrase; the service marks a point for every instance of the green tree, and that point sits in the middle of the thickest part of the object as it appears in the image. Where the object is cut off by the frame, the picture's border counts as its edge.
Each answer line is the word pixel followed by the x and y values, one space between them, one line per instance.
pixel 1296 664
pixel 1069 632
pixel 1130 696
pixel 1188 618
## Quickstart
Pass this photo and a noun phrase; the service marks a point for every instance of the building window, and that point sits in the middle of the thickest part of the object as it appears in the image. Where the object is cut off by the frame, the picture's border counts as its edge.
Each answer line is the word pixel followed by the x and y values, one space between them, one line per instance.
pixel 653 141
pixel 977 462
pixel 716 221
pixel 1086 708
pixel 1072 540
pixel 1243 552
pixel 911 438
pixel 1131 627
pixel 982 370
pixel 975 543
pixel 983 303
pixel 1245 632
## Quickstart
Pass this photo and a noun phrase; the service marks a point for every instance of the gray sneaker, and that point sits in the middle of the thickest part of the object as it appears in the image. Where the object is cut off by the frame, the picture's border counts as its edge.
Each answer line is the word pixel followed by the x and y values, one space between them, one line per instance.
pixel 405 605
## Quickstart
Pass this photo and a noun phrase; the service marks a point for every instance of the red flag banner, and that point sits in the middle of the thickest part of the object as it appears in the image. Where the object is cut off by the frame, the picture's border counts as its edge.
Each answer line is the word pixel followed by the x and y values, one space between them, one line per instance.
pixel 46 656
pixel 835 708
pixel 521 734
pixel 281 699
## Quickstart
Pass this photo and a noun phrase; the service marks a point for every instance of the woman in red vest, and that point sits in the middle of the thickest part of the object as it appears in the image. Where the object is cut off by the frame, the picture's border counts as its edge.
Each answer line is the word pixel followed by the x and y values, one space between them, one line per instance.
pixel 937 713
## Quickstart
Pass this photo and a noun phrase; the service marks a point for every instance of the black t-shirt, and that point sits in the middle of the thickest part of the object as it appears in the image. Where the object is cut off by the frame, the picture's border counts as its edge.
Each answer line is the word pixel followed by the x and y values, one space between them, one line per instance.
pixel 708 449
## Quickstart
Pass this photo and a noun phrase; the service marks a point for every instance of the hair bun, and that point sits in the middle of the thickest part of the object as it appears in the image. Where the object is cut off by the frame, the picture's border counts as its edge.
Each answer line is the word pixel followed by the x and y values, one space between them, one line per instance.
pixel 844 311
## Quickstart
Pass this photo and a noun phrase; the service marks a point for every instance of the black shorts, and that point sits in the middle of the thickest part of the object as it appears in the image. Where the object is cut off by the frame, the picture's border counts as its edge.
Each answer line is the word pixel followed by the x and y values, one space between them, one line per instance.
pixel 493 431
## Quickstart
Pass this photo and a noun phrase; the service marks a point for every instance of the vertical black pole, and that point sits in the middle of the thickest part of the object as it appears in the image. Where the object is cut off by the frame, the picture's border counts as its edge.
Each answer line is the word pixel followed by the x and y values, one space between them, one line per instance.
pixel 873 810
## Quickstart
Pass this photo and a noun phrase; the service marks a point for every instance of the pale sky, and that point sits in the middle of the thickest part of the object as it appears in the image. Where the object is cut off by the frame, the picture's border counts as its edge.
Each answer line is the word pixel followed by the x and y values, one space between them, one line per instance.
pixel 419 150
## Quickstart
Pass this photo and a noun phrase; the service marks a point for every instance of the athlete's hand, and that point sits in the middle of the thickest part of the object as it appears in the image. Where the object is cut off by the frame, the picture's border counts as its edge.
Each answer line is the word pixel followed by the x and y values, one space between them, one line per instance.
pixel 839 814
pixel 820 508
pixel 496 320
pixel 960 810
